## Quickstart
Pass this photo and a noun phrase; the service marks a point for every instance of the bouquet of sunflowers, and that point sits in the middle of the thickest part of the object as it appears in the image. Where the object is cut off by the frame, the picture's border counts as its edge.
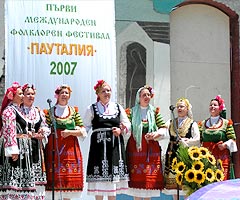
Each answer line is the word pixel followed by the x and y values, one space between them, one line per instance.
pixel 196 167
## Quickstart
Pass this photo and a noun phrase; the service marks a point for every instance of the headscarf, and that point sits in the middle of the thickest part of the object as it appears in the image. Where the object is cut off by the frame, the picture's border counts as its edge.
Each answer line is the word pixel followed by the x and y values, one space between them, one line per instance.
pixel 187 103
pixel 137 119
pixel 100 84
pixel 222 106
pixel 8 97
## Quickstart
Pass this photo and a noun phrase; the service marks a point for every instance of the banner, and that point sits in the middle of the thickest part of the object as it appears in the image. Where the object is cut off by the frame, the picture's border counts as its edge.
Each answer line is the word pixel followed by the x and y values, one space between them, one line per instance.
pixel 49 43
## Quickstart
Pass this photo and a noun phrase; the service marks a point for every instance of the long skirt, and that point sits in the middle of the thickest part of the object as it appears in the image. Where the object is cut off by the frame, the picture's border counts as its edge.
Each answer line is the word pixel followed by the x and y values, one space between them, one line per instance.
pixel 17 179
pixel 145 167
pixel 223 155
pixel 68 163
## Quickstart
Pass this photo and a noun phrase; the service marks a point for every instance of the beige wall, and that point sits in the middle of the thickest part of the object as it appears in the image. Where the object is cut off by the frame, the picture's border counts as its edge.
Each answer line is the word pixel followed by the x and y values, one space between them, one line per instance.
pixel 200 56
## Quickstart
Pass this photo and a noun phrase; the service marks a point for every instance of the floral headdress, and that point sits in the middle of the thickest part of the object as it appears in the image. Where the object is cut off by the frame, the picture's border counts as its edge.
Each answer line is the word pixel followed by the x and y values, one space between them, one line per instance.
pixel 150 90
pixel 60 87
pixel 26 86
pixel 221 102
pixel 99 85
pixel 11 91
pixel 222 106
pixel 9 95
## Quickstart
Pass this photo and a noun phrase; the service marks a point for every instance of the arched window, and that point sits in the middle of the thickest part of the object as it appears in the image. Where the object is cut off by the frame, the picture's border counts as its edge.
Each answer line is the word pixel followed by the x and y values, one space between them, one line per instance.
pixel 136 71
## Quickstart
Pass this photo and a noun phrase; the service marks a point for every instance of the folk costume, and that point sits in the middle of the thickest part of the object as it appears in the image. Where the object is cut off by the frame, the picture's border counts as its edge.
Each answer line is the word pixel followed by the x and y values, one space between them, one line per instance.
pixel 106 168
pixel 17 180
pixel 36 120
pixel 216 129
pixel 188 135
pixel 68 167
pixel 144 156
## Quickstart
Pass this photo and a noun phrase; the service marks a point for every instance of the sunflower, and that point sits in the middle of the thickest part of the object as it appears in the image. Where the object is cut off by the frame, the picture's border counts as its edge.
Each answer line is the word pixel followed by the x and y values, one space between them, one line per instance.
pixel 204 151
pixel 198 165
pixel 189 175
pixel 180 167
pixel 179 178
pixel 210 176
pixel 199 177
pixel 211 159
pixel 174 163
pixel 219 164
pixel 195 154
pixel 219 175
pixel 192 148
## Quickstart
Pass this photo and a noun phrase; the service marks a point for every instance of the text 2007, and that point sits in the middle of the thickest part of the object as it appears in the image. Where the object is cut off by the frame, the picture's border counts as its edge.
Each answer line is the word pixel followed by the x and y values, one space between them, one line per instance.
pixel 59 68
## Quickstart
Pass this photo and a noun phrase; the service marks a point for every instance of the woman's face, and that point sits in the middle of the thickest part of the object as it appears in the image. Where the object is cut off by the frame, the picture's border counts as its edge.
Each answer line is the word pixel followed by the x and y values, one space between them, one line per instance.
pixel 182 109
pixel 214 108
pixel 18 97
pixel 105 94
pixel 29 97
pixel 63 97
pixel 145 97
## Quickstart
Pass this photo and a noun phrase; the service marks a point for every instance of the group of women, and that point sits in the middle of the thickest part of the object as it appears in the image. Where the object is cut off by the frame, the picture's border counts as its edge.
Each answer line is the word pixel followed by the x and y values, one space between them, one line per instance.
pixel 124 153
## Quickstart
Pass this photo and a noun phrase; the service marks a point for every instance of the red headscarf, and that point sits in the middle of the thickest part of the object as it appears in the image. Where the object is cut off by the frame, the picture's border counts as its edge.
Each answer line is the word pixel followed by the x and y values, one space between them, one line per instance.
pixel 8 96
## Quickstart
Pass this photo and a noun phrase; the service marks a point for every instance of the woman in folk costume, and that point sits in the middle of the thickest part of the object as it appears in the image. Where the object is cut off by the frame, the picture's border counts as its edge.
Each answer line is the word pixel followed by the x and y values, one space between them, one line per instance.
pixel 40 131
pixel 188 135
pixel 68 162
pixel 106 169
pixel 17 174
pixel 143 149
pixel 218 135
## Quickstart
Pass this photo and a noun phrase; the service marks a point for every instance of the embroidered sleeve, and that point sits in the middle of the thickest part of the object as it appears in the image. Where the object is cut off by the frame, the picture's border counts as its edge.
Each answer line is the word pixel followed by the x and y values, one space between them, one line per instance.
pixel 47 116
pixel 128 112
pixel 77 118
pixel 230 130
pixel 159 119
pixel 9 128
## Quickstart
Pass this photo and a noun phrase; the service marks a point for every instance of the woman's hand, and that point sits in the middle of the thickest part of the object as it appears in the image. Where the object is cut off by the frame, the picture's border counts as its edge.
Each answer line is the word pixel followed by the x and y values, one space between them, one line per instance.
pixel 116 131
pixel 149 136
pixel 152 136
pixel 122 127
pixel 14 157
pixel 221 145
pixel 76 133
pixel 65 133
pixel 39 135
